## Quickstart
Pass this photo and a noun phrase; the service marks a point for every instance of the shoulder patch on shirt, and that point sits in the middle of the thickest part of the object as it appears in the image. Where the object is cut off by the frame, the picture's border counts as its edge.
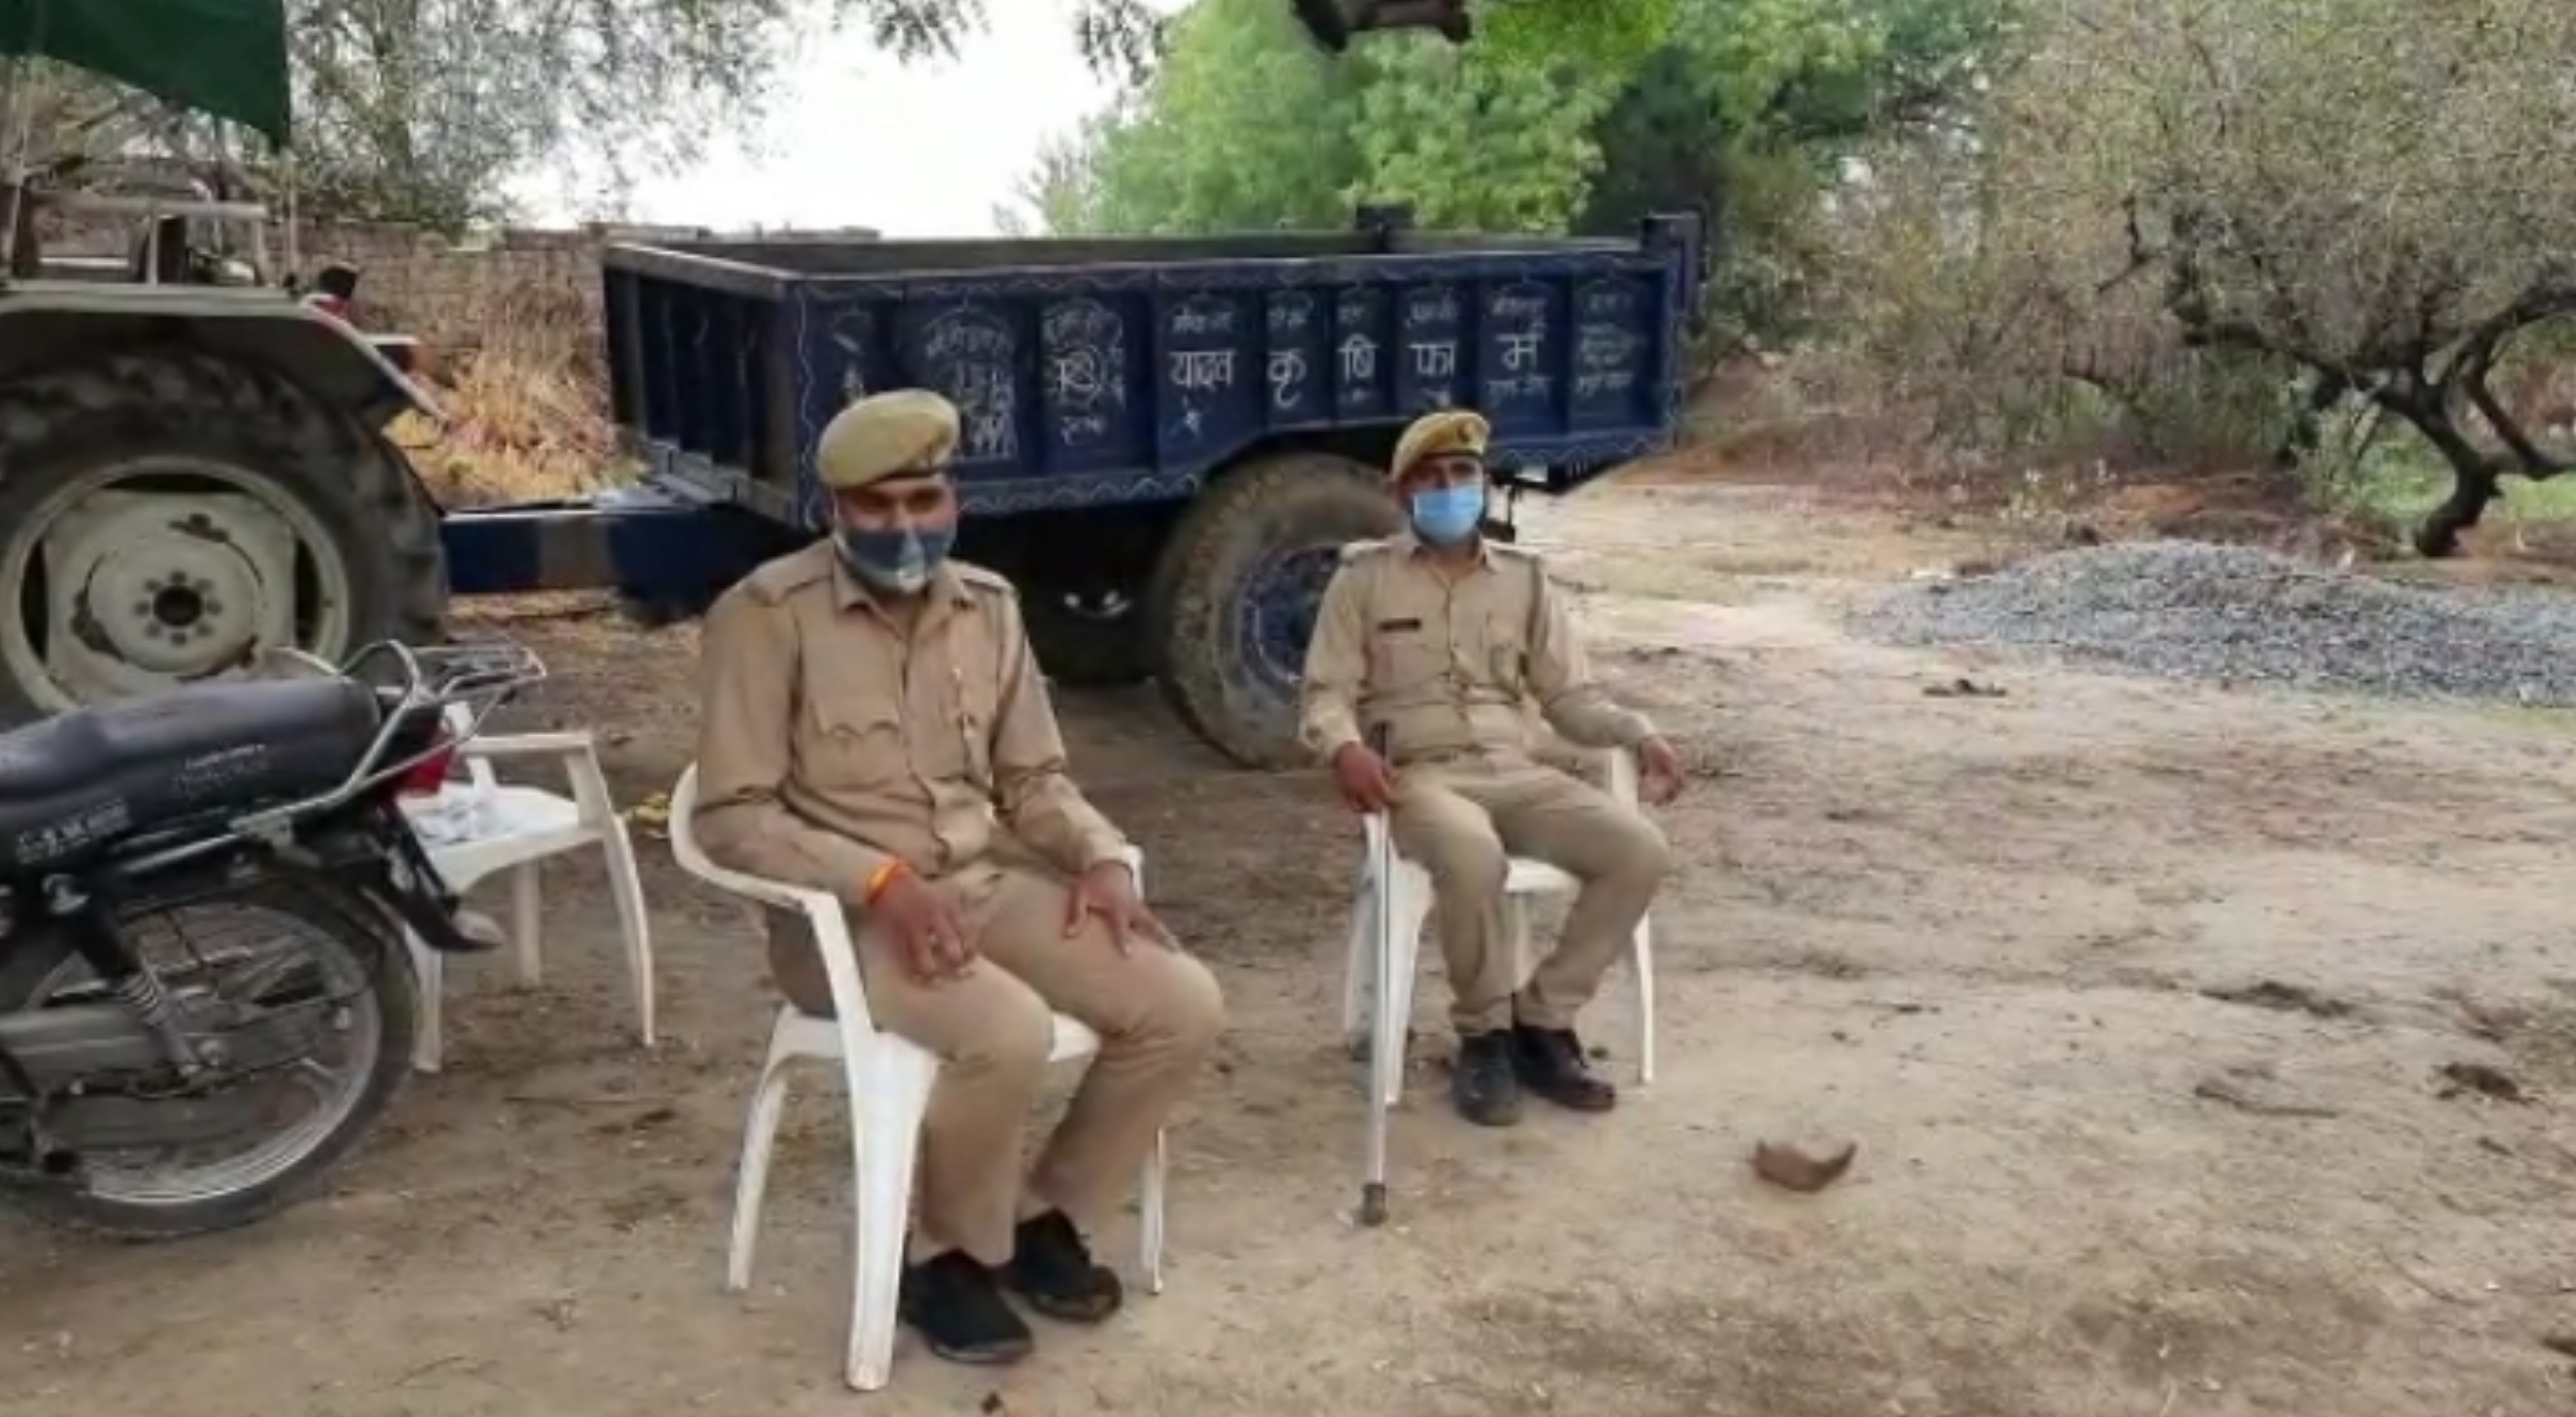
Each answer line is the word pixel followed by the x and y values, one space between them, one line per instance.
pixel 1529 563
pixel 977 578
pixel 779 579
pixel 1509 552
pixel 1362 550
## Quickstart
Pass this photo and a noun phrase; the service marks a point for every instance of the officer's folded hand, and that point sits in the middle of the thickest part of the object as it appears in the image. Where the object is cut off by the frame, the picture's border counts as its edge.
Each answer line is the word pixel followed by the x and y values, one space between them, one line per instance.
pixel 1108 890
pixel 928 927
pixel 1366 782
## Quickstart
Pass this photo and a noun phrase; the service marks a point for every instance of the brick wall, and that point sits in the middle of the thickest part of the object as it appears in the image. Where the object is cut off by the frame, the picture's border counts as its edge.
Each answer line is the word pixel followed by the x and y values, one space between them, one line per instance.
pixel 452 294
pixel 536 287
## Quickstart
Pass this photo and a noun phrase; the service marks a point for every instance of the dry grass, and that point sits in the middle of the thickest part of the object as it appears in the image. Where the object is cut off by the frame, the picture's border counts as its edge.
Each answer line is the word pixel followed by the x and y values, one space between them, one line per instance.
pixel 1808 418
pixel 527 407
pixel 1827 424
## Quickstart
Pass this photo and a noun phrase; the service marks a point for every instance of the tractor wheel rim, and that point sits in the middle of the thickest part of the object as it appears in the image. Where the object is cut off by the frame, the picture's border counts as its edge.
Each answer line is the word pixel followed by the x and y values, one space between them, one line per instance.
pixel 154 572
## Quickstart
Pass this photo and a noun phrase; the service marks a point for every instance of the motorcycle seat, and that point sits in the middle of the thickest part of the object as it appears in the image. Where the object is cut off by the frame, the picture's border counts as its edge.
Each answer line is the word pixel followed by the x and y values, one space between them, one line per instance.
pixel 77 783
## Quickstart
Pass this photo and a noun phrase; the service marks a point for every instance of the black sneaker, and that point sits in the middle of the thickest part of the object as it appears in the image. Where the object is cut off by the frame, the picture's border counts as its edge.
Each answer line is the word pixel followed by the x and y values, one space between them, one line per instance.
pixel 1482 1084
pixel 1052 1269
pixel 952 1301
pixel 1551 1063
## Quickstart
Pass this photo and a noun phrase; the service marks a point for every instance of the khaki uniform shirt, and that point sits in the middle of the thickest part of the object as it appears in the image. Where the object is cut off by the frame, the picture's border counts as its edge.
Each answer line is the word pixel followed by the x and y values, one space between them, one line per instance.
pixel 830 739
pixel 1447 667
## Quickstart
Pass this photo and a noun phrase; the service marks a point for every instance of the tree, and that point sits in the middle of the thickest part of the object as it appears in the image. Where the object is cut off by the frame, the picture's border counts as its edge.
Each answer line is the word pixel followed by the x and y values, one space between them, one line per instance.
pixel 1595 34
pixel 2373 196
pixel 419 110
pixel 414 109
pixel 1244 126
pixel 1057 195
pixel 1745 108
pixel 1475 142
pixel 1751 111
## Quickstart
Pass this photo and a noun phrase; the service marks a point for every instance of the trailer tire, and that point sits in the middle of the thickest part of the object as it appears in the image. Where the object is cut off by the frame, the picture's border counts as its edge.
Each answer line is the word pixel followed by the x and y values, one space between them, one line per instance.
pixel 1082 651
pixel 136 422
pixel 1235 593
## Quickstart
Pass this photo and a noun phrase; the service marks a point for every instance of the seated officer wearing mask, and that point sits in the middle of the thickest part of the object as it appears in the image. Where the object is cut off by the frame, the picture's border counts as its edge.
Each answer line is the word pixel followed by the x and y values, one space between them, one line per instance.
pixel 875 725
pixel 1437 645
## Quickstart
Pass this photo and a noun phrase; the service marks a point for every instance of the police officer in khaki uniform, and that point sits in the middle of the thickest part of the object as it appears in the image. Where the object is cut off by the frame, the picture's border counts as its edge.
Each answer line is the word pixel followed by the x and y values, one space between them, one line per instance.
pixel 1438 645
pixel 875 725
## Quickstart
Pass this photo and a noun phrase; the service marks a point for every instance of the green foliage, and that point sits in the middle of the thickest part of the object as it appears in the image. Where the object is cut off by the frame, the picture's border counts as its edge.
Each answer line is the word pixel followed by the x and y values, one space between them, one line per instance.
pixel 1244 126
pixel 1751 113
pixel 1603 36
pixel 1475 143
pixel 1237 129
pixel 1559 116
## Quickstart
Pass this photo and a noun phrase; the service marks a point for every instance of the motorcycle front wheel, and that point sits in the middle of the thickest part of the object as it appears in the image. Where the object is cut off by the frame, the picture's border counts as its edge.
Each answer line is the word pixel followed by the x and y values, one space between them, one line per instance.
pixel 305 946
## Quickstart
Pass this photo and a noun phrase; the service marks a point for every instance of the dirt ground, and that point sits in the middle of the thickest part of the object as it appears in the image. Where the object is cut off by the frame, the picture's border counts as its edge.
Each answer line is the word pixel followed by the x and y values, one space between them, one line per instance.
pixel 2136 996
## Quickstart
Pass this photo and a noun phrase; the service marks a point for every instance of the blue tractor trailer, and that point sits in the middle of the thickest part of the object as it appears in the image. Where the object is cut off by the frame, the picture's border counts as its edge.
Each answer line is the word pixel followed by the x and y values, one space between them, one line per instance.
pixel 1166 441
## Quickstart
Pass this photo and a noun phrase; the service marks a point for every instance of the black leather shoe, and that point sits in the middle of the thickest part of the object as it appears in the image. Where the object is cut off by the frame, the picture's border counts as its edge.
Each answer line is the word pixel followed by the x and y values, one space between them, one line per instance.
pixel 1551 1063
pixel 1053 1269
pixel 952 1301
pixel 1482 1084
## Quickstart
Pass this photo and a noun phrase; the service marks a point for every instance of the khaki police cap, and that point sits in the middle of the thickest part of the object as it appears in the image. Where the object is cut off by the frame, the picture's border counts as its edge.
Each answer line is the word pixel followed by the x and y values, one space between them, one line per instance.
pixel 899 434
pixel 1447 433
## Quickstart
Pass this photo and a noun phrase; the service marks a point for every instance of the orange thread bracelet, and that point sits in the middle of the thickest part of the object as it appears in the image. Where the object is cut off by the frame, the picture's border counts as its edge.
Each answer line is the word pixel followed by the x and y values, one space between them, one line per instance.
pixel 882 877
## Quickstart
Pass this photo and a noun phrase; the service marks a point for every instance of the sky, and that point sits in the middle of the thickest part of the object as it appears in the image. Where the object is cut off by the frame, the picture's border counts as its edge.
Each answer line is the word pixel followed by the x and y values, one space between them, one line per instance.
pixel 856 139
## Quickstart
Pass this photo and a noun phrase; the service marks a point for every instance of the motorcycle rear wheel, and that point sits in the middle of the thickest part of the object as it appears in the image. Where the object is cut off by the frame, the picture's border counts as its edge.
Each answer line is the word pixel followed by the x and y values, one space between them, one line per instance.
pixel 369 998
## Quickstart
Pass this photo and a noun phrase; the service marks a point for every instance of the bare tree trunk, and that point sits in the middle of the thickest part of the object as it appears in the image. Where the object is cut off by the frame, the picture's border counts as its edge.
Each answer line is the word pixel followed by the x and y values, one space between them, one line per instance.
pixel 2476 479
pixel 2472 489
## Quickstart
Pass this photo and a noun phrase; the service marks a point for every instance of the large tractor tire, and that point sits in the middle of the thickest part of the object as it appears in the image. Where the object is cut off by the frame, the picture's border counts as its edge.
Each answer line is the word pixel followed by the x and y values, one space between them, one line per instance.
pixel 165 516
pixel 1237 588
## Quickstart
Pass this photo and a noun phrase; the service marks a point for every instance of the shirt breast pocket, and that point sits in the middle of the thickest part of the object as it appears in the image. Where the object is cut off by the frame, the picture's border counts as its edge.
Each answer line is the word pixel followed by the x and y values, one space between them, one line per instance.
pixel 1403 654
pixel 855 739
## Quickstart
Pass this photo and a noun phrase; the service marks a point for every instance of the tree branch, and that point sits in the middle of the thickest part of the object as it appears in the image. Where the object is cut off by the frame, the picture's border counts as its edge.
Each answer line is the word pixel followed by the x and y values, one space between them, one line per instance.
pixel 2479 354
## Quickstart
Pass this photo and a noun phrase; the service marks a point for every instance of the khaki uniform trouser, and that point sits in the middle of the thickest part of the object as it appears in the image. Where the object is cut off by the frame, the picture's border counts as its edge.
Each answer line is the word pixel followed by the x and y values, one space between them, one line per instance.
pixel 1158 1014
pixel 1462 819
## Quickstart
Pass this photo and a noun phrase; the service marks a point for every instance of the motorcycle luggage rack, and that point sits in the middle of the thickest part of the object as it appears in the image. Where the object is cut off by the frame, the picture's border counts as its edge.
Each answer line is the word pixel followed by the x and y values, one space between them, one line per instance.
pixel 476 676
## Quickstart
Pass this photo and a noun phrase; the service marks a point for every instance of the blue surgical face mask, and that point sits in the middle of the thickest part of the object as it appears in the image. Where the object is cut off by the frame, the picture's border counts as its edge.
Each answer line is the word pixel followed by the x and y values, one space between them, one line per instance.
pixel 1446 516
pixel 896 562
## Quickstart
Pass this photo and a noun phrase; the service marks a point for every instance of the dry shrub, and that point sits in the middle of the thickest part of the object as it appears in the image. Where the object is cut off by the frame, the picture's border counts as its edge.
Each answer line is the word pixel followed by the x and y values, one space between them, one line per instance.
pixel 527 408
pixel 1815 415
pixel 2013 363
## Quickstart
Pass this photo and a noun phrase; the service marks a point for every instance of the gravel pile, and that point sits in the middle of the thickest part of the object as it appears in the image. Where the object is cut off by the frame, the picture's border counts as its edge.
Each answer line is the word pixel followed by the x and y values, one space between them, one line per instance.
pixel 2191 610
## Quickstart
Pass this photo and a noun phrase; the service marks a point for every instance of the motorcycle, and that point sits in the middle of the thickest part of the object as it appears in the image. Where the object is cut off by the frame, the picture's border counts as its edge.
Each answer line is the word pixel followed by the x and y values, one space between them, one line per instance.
pixel 206 999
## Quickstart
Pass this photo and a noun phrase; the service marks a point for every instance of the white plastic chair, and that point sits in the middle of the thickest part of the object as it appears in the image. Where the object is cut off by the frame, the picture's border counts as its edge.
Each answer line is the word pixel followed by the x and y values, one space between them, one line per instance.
pixel 482 825
pixel 1394 899
pixel 889 1081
